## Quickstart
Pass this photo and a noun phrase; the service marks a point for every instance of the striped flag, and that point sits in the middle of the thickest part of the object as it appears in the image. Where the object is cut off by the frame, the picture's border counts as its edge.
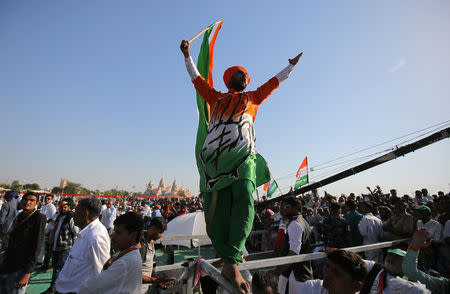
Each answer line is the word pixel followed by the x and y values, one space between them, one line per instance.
pixel 273 186
pixel 302 174
pixel 204 66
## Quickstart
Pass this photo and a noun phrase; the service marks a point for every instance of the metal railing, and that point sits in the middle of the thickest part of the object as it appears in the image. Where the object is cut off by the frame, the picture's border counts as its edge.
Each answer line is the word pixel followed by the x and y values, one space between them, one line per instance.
pixel 206 266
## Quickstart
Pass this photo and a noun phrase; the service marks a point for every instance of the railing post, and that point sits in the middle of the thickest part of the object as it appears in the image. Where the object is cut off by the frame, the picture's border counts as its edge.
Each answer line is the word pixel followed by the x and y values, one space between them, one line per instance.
pixel 189 273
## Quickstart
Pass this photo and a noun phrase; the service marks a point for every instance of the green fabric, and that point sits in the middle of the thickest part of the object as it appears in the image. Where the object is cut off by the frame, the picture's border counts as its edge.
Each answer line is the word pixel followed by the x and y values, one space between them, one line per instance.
pixel 353 218
pixel 301 181
pixel 226 172
pixel 232 219
pixel 272 189
pixel 202 106
pixel 435 284
pixel 262 170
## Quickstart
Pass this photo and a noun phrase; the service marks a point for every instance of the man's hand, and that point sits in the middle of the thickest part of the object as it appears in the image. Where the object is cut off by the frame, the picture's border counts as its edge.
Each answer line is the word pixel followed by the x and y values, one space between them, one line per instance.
pixel 184 47
pixel 421 238
pixel 23 281
pixel 294 60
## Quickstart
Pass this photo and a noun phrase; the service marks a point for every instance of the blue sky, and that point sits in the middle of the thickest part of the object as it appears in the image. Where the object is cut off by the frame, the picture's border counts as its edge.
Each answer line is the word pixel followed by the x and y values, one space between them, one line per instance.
pixel 97 91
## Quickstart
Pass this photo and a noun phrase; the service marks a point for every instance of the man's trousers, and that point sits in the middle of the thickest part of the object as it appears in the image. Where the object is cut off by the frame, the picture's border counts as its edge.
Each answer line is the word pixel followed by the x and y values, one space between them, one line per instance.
pixel 229 217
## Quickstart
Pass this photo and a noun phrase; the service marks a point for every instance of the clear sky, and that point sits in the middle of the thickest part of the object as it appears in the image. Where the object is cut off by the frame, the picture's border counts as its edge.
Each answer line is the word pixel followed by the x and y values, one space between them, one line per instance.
pixel 97 91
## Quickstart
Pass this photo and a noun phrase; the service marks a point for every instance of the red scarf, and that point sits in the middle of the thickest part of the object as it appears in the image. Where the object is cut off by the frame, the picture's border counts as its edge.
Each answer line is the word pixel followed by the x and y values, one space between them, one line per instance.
pixel 118 255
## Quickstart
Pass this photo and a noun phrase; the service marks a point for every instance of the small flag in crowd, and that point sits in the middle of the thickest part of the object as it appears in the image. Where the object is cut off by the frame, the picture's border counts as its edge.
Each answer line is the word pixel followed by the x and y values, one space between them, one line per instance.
pixel 272 188
pixel 302 174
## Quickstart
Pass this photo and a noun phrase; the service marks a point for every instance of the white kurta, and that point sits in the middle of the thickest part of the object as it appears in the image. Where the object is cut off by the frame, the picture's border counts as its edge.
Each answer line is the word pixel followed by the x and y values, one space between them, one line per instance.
pixel 124 276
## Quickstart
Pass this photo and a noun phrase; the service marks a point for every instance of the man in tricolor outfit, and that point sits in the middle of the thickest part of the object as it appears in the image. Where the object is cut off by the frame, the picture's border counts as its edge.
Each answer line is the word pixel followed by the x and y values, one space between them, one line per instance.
pixel 227 161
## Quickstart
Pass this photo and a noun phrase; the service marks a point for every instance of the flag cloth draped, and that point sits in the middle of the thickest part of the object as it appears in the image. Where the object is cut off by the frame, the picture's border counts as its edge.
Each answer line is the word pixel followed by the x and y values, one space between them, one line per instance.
pixel 205 66
pixel 272 188
pixel 302 174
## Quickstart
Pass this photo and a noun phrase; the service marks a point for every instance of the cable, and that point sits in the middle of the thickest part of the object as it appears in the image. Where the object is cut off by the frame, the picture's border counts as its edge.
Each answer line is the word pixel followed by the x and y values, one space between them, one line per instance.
pixel 380 144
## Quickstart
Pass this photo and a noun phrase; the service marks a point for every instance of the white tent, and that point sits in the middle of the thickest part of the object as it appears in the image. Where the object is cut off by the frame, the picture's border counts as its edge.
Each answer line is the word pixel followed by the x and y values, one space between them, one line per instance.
pixel 190 224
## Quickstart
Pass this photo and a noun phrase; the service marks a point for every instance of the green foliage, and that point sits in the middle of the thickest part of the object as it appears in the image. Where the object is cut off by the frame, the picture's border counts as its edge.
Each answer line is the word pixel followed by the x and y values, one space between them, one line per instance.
pixel 4 185
pixel 114 192
pixel 33 186
pixel 16 186
pixel 56 190
pixel 72 188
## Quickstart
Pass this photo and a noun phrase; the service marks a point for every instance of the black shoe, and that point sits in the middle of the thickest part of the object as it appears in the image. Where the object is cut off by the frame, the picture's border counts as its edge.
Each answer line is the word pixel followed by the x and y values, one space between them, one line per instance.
pixel 50 290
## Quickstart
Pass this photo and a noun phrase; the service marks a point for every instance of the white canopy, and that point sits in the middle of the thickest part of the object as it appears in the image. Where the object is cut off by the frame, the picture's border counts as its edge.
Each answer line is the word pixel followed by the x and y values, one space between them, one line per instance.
pixel 190 224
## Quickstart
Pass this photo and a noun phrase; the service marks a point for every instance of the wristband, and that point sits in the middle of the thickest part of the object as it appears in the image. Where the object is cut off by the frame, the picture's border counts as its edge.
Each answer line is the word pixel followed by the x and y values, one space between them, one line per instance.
pixel 414 248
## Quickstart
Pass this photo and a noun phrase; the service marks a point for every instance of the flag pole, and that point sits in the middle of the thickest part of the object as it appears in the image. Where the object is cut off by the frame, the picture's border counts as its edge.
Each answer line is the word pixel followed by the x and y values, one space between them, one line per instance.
pixel 198 35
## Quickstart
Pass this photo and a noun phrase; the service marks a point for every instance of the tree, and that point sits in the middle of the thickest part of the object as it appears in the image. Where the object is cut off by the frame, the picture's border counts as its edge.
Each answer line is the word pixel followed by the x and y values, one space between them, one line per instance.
pixel 56 190
pixel 33 186
pixel 72 188
pixel 16 187
pixel 4 185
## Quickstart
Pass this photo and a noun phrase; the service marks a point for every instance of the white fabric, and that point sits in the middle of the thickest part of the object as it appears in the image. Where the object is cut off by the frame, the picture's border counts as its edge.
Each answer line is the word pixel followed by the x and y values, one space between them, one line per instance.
pixel 188 224
pixel 49 210
pixel 398 285
pixel 191 68
pixel 313 287
pixel 371 229
pixel 87 257
pixel 108 217
pixel 147 211
pixel 124 276
pixel 284 73
pixel 433 227
pixel 295 232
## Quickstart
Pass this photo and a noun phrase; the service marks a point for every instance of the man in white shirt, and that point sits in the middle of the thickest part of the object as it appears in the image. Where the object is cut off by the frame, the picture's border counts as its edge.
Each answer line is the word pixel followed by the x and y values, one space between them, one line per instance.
pixel 90 250
pixel 122 273
pixel 109 216
pixel 426 196
pixel 434 228
pixel 344 273
pixel 49 210
pixel 296 240
pixel 371 229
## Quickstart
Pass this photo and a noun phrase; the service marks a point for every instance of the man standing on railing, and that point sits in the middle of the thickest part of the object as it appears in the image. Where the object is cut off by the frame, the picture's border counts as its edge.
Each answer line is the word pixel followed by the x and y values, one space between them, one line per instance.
pixel 296 241
pixel 228 159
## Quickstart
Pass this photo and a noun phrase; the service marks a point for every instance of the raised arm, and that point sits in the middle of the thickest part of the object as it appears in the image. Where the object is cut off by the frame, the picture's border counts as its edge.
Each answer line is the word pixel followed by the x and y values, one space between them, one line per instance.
pixel 267 88
pixel 203 88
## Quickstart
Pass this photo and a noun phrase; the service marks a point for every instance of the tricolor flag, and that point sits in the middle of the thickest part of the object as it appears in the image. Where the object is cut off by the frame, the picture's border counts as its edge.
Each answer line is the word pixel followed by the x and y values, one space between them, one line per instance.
pixel 302 174
pixel 158 192
pixel 204 66
pixel 272 187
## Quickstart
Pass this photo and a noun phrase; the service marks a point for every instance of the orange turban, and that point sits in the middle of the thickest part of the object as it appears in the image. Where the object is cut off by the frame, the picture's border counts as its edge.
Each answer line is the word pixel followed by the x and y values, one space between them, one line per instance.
pixel 230 71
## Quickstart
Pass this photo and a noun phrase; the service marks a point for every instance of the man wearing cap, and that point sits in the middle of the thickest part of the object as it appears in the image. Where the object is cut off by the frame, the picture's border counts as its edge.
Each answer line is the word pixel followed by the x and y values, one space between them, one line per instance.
pixel 427 256
pixel 227 161
pixel 8 213
pixel 387 277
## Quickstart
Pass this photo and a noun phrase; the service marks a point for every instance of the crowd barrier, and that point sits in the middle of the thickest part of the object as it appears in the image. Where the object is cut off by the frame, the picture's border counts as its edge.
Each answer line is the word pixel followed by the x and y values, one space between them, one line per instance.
pixel 189 267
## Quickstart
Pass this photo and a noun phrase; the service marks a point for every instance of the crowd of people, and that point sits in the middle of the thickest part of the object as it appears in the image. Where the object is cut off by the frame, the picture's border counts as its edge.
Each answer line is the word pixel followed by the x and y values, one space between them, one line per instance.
pixel 106 246
pixel 313 223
